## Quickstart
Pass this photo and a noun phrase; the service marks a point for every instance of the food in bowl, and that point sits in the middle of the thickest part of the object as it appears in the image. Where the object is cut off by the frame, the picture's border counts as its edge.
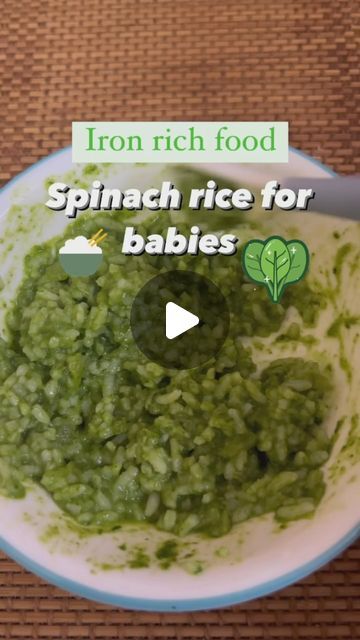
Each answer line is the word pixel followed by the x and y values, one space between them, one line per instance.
pixel 115 438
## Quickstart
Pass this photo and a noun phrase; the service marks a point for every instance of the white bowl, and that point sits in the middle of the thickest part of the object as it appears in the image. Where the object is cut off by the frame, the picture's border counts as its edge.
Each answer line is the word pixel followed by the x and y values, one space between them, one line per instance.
pixel 262 557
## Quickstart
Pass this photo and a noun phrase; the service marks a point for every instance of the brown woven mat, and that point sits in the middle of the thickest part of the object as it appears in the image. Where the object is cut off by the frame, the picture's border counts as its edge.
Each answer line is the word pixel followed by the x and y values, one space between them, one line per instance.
pixel 295 60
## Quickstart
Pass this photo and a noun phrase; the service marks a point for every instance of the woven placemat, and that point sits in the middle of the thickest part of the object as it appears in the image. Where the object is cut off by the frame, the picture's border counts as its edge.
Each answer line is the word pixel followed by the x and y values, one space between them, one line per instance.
pixel 185 60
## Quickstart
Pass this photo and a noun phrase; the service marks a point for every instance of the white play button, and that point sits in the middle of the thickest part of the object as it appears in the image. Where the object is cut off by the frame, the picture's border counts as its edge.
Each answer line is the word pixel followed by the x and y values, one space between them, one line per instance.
pixel 176 336
pixel 178 320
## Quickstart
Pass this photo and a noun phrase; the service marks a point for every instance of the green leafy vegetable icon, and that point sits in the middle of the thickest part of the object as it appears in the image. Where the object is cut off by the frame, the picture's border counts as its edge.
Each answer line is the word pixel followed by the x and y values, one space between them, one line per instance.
pixel 275 263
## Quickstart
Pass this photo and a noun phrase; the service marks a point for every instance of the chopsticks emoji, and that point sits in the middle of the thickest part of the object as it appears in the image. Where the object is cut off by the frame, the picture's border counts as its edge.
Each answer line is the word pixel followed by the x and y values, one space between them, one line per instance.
pixel 97 237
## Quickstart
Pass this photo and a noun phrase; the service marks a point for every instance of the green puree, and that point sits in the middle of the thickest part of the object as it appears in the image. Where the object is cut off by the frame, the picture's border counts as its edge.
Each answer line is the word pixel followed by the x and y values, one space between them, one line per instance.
pixel 115 438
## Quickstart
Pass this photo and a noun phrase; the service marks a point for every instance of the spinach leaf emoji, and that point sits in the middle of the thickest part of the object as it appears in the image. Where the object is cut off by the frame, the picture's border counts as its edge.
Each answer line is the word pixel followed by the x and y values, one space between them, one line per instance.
pixel 275 263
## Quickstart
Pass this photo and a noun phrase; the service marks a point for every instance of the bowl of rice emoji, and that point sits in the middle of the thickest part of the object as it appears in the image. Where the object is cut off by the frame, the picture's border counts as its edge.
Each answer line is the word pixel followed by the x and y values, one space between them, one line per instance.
pixel 81 256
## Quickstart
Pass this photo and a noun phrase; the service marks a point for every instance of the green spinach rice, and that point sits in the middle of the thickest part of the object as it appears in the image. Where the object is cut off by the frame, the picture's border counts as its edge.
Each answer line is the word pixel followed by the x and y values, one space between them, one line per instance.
pixel 113 437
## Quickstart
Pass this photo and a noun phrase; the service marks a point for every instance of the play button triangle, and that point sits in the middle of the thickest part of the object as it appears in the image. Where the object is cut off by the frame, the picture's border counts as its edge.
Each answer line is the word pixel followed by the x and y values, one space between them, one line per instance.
pixel 178 320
